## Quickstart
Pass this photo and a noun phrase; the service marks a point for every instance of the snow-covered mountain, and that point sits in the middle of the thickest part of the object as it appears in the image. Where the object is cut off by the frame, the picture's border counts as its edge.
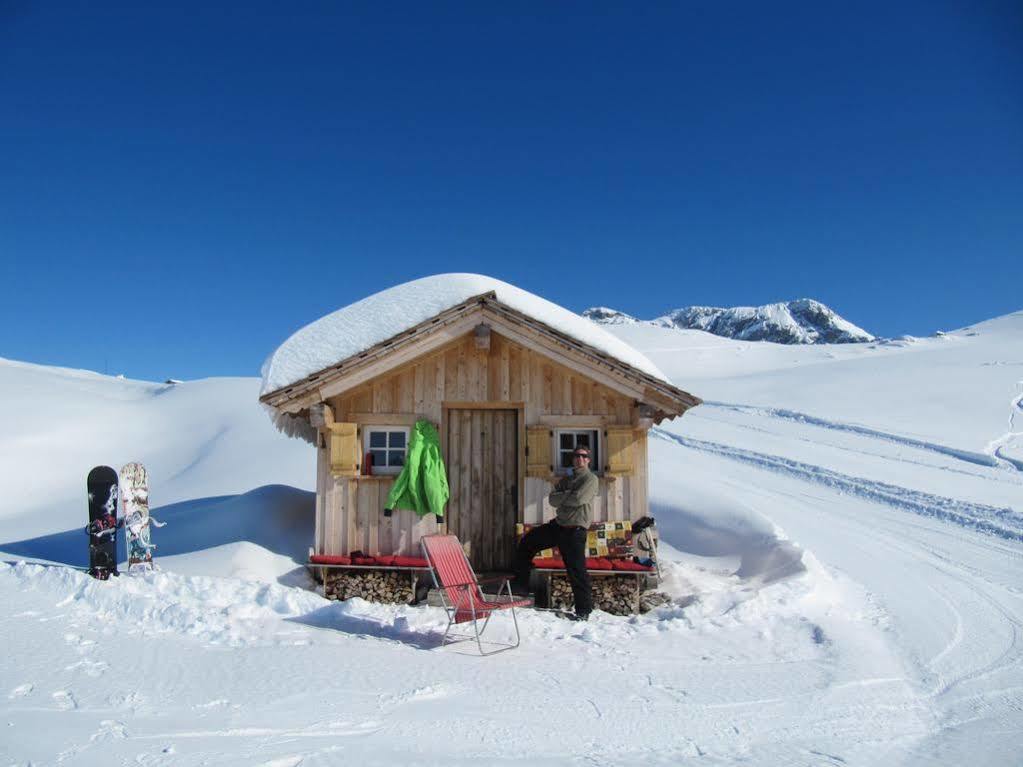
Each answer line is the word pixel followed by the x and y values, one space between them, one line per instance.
pixel 894 470
pixel 803 321
pixel 603 315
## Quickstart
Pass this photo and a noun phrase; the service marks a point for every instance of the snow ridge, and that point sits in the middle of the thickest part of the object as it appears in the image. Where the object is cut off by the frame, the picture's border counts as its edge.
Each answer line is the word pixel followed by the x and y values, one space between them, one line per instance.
pixel 219 611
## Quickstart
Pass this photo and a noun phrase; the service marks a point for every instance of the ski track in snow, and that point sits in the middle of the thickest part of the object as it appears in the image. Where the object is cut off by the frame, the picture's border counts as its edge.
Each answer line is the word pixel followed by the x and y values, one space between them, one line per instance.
pixel 1013 437
pixel 1002 522
pixel 987 458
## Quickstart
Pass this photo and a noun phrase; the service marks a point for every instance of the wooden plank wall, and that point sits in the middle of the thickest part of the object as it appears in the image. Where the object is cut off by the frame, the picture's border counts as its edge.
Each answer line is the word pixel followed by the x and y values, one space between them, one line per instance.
pixel 553 394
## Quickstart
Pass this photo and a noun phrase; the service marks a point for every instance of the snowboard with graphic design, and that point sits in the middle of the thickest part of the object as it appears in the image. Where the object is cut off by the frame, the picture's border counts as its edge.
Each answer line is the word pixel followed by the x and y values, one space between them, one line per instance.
pixel 137 522
pixel 102 528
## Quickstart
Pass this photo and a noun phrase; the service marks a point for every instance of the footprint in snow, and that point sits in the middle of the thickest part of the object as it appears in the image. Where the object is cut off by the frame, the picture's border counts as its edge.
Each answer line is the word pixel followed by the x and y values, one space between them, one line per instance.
pixel 80 643
pixel 429 692
pixel 65 700
pixel 109 729
pixel 21 690
pixel 92 668
pixel 125 700
pixel 284 761
pixel 213 703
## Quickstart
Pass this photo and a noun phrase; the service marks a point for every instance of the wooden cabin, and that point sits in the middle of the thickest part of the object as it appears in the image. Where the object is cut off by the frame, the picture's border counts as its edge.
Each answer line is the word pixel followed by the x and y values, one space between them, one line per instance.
pixel 511 396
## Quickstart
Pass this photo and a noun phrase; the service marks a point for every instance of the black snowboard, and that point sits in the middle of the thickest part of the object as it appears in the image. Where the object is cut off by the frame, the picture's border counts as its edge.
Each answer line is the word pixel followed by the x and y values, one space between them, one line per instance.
pixel 102 529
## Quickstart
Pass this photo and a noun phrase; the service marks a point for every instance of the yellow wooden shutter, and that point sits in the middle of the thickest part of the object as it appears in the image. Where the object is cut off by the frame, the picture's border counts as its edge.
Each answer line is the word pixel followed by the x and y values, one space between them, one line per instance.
pixel 345 455
pixel 620 449
pixel 538 452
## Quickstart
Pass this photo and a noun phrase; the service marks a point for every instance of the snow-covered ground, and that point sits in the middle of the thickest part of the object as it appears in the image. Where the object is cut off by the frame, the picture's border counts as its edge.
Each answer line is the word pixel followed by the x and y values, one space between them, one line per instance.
pixel 846 534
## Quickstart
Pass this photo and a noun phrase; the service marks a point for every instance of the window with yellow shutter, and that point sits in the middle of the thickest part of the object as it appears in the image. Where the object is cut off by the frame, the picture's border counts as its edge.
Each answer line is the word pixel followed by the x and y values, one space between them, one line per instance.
pixel 569 439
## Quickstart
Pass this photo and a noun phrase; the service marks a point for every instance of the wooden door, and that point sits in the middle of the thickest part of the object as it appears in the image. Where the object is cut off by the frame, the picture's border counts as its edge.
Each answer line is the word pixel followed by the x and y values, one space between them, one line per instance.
pixel 483 474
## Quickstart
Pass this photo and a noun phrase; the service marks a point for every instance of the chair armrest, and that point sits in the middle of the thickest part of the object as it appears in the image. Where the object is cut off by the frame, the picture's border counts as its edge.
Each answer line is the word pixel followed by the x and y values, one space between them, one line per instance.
pixel 457 585
pixel 495 578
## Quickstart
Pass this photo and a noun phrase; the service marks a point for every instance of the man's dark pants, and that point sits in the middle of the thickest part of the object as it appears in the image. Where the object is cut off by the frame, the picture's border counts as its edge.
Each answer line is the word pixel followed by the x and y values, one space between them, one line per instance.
pixel 571 542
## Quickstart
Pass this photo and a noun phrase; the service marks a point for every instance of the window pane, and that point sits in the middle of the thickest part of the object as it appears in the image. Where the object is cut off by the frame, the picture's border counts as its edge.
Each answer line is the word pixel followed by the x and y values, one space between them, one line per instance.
pixel 396 457
pixel 583 439
pixel 566 458
pixel 378 439
pixel 379 457
pixel 567 441
pixel 397 439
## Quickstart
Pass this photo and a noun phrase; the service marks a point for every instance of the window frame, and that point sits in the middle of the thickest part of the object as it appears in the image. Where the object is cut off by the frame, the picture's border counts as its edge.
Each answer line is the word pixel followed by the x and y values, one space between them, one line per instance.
pixel 384 429
pixel 595 448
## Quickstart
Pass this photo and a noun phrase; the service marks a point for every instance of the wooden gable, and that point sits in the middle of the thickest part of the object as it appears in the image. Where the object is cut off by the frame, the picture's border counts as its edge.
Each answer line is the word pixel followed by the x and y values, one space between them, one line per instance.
pixel 463 373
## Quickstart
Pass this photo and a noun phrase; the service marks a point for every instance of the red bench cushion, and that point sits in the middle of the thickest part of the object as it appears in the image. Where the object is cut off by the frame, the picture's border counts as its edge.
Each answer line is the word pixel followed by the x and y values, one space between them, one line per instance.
pixel 549 563
pixel 598 563
pixel 628 564
pixel 329 559
pixel 410 562
pixel 384 560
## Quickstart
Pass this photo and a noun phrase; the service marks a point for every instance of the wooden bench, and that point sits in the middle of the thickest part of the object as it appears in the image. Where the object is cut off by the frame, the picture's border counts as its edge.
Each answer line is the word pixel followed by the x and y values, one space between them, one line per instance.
pixel 320 564
pixel 610 547
pixel 546 573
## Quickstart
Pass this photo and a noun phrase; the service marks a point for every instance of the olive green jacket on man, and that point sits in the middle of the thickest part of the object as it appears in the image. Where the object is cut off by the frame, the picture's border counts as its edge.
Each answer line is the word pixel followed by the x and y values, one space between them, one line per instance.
pixel 573 498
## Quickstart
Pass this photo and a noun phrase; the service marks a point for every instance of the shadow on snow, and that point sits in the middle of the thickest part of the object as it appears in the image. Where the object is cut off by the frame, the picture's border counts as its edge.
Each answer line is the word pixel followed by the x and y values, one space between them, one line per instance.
pixel 276 517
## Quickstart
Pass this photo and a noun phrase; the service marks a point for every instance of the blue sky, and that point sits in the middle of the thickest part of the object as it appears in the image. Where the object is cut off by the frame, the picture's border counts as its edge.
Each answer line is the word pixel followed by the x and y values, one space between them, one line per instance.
pixel 182 187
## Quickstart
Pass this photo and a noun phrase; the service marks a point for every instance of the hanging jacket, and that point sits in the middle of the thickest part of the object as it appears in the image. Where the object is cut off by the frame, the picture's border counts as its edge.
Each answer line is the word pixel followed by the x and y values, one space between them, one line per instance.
pixel 422 486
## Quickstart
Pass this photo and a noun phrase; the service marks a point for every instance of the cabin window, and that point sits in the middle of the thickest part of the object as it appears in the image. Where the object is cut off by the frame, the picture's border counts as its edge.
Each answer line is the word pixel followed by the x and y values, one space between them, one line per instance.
pixel 386 445
pixel 567 440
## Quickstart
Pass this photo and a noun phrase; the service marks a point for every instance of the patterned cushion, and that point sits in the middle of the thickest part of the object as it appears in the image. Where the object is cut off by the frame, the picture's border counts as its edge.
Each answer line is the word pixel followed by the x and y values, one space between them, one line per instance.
pixel 609 539
pixel 603 539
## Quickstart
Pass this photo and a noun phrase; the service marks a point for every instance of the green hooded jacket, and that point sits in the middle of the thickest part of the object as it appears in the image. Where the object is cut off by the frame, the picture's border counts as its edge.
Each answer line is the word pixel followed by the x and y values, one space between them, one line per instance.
pixel 422 486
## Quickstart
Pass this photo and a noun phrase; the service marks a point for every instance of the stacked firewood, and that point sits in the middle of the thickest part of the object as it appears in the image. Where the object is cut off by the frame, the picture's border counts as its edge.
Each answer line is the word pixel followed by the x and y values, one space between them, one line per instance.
pixel 372 585
pixel 615 594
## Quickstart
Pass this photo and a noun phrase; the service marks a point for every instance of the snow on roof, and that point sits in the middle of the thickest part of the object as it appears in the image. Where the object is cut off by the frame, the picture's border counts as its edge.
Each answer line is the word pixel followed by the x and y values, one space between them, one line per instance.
pixel 359 326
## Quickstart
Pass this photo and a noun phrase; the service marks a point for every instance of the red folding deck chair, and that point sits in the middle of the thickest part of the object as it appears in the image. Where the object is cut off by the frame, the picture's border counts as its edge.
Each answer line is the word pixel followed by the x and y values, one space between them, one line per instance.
pixel 460 589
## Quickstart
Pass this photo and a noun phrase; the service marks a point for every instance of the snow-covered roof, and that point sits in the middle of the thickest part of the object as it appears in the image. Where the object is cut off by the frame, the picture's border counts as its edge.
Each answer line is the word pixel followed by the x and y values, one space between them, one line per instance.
pixel 359 326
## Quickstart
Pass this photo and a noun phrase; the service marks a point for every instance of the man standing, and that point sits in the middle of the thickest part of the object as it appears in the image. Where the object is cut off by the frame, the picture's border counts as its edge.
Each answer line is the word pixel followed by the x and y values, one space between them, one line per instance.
pixel 572 497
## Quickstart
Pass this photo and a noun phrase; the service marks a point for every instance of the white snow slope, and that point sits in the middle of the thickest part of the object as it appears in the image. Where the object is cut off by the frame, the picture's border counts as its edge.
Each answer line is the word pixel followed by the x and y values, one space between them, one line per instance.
pixel 894 471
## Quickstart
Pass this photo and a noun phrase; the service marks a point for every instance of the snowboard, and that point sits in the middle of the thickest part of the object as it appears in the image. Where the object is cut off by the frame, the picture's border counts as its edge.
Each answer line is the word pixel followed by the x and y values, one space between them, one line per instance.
pixel 135 511
pixel 102 528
